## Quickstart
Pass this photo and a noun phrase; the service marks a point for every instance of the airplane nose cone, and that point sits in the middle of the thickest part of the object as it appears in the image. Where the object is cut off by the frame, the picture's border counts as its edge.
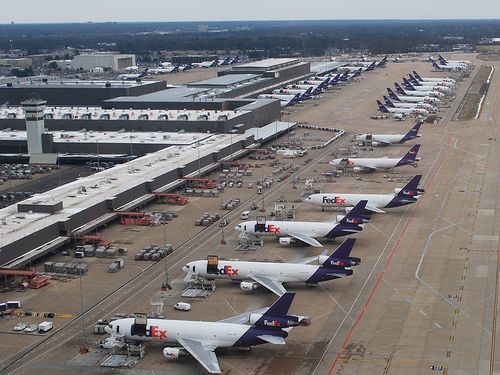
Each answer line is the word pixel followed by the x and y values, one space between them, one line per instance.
pixel 108 330
pixel 237 228
pixel 185 268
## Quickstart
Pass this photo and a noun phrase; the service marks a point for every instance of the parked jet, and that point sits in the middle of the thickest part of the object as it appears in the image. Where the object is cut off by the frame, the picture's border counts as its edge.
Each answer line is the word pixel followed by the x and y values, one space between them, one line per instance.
pixel 272 275
pixel 133 76
pixel 409 92
pixel 376 202
pixel 419 87
pixel 463 63
pixel 304 94
pixel 376 164
pixel 451 68
pixel 370 66
pixel 394 104
pixel 316 89
pixel 307 232
pixel 405 111
pixel 412 99
pixel 416 81
pixel 206 64
pixel 434 79
pixel 389 139
pixel 201 338
pixel 286 100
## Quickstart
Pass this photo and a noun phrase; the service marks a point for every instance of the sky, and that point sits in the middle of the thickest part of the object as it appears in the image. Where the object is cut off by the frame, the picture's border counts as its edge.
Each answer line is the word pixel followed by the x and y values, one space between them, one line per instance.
pixel 63 11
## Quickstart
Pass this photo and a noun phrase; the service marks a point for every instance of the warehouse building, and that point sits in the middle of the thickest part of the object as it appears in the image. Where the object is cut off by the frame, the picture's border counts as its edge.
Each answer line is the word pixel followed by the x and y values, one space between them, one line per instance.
pixel 107 61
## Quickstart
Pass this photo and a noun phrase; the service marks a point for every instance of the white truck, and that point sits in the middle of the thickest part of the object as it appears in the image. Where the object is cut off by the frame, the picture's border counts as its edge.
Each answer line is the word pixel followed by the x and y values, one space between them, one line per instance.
pixel 45 326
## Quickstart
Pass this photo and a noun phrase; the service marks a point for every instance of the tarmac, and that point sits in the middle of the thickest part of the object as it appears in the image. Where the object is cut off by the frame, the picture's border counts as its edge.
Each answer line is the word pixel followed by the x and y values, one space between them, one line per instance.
pixel 423 301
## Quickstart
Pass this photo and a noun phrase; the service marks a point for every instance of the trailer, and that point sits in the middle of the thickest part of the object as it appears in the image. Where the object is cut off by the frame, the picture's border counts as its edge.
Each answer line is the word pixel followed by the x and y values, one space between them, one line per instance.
pixel 173 199
pixel 134 218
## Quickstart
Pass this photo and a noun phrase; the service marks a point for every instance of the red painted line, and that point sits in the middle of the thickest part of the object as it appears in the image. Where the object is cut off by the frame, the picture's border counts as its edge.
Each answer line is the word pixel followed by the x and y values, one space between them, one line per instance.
pixel 388 262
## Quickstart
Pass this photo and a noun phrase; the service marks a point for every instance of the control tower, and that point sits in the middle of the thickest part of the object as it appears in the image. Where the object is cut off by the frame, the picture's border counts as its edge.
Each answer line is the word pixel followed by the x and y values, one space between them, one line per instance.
pixel 35 127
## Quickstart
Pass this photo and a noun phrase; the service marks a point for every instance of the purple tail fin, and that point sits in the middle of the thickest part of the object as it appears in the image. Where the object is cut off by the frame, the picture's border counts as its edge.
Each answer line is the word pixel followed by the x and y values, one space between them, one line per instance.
pixel 399 89
pixel 341 258
pixel 417 76
pixel 442 60
pixel 281 306
pixel 355 216
pixel 413 133
pixel 382 107
pixel 411 189
pixel 388 102
pixel 414 81
pixel 435 65
pixel 392 95
pixel 410 156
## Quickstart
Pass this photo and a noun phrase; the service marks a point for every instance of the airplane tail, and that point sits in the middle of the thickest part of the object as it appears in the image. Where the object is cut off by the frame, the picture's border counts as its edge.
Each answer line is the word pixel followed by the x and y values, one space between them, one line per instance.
pixel 414 81
pixel 411 189
pixel 410 157
pixel 417 76
pixel 408 85
pixel 307 93
pixel 371 66
pixel 341 258
pixel 413 133
pixel 382 107
pixel 435 65
pixel 383 61
pixel 388 102
pixel 399 89
pixel 442 60
pixel 392 95
pixel 144 73
pixel 355 216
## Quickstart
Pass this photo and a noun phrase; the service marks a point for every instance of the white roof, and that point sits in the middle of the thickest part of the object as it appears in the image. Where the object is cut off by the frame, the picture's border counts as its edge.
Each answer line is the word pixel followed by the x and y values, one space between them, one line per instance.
pixel 104 185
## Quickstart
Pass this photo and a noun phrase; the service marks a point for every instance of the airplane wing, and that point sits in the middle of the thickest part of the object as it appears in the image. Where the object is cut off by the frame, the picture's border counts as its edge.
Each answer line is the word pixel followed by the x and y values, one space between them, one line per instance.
pixel 374 209
pixel 203 352
pixel 306 239
pixel 274 286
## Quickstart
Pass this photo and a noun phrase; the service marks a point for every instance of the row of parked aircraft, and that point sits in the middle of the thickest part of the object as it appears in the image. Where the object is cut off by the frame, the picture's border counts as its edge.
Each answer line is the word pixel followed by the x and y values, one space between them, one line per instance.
pixel 449 65
pixel 309 88
pixel 132 72
pixel 271 325
pixel 419 96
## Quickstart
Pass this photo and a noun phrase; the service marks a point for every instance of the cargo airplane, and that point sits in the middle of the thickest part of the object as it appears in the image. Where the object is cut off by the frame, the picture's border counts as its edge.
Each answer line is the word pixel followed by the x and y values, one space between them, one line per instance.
pixel 409 92
pixel 389 139
pixel 416 81
pixel 412 99
pixel 272 275
pixel 402 111
pixel 433 79
pixel 201 338
pixel 376 202
pixel 395 104
pixel 451 68
pixel 376 164
pixel 305 231
pixel 419 87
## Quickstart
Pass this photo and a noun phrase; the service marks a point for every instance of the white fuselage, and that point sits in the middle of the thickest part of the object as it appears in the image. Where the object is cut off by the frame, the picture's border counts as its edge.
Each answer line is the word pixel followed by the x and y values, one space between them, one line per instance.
pixel 429 79
pixel 277 96
pixel 417 99
pixel 349 200
pixel 426 106
pixel 420 111
pixel 432 87
pixel 423 93
pixel 241 270
pixel 283 228
pixel 168 331
pixel 377 163
pixel 289 91
pixel 383 138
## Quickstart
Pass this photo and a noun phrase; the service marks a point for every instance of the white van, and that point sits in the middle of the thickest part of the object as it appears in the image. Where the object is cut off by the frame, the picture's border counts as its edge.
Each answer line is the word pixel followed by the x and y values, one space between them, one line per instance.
pixel 184 306
pixel 245 215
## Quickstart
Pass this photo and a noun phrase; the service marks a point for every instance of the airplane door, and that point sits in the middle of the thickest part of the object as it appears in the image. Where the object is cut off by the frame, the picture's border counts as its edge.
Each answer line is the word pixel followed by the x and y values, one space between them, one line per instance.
pixel 260 224
pixel 212 264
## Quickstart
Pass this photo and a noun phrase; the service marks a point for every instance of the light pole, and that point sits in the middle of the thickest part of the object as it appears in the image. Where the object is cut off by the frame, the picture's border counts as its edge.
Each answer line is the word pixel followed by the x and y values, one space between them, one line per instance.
pixel 166 285
pixel 84 337
pixel 263 209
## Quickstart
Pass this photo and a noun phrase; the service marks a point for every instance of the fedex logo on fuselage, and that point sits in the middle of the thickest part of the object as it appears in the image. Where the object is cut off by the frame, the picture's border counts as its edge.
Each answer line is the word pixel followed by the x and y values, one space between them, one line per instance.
pixel 271 228
pixel 156 333
pixel 227 271
pixel 334 200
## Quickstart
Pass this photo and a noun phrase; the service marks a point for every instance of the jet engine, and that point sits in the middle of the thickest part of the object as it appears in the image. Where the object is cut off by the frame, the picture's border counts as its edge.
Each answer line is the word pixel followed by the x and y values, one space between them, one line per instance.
pixel 174 353
pixel 248 286
pixel 286 240
pixel 375 144
pixel 365 218
pixel 357 169
pixel 345 262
